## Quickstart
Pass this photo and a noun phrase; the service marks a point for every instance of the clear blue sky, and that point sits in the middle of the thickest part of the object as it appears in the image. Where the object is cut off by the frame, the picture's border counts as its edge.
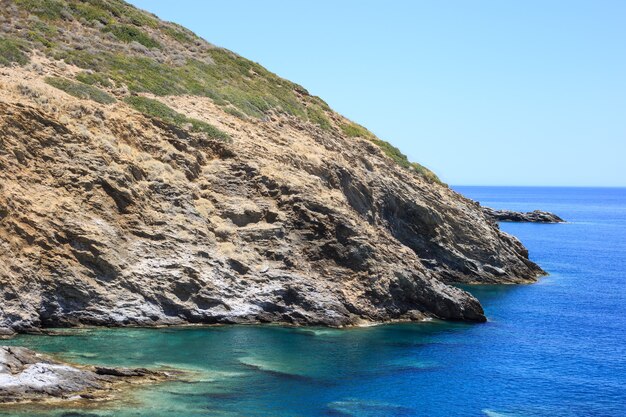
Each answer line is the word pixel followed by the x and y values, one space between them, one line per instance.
pixel 483 92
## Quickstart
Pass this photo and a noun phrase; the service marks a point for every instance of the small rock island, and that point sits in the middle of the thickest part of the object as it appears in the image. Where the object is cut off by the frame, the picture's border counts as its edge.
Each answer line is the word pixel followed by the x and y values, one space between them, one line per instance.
pixel 536 216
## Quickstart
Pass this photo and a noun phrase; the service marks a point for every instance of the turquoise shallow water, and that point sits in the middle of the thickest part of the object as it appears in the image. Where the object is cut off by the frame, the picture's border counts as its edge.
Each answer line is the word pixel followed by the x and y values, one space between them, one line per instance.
pixel 555 348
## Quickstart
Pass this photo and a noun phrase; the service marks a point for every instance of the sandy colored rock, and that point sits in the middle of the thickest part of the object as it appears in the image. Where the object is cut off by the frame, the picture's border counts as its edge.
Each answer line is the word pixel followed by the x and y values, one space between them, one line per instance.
pixel 111 218
pixel 116 210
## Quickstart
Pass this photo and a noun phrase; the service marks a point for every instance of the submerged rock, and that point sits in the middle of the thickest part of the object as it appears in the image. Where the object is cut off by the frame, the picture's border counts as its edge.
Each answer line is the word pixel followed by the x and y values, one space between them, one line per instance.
pixel 27 376
pixel 536 216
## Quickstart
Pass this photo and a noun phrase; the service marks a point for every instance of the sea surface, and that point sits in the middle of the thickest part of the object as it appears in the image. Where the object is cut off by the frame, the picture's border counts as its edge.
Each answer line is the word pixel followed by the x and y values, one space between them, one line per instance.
pixel 554 348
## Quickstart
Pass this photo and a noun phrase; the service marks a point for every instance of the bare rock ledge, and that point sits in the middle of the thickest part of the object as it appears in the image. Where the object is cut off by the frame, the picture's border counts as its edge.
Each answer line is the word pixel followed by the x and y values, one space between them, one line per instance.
pixel 27 376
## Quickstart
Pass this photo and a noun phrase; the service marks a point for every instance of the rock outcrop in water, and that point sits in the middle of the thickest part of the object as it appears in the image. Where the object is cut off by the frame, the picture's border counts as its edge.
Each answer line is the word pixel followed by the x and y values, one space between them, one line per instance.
pixel 27 376
pixel 536 216
pixel 148 177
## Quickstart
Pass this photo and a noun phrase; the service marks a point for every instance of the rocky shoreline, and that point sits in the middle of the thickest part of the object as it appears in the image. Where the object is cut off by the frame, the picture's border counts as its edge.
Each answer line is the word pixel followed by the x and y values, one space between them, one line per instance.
pixel 27 376
pixel 536 216
pixel 122 204
pixel 183 184
pixel 255 234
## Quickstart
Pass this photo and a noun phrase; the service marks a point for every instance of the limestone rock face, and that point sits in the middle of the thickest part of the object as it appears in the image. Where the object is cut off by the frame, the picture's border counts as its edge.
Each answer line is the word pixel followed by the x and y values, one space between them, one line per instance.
pixel 109 217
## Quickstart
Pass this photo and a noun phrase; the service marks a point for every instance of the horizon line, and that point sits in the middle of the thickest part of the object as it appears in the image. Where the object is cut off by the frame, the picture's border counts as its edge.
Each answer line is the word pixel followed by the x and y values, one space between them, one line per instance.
pixel 537 186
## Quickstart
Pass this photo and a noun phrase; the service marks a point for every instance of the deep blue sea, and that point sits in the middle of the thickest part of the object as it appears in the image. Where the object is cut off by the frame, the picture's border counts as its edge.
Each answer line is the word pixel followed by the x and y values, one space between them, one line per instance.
pixel 554 348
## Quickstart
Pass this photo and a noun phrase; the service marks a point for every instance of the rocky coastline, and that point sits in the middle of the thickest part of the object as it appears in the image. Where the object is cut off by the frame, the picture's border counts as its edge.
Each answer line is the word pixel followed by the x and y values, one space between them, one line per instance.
pixel 184 184
pixel 172 182
pixel 160 230
pixel 30 377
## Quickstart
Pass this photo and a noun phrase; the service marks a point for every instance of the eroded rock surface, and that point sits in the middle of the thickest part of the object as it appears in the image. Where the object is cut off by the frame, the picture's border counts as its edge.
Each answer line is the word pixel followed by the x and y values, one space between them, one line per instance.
pixel 27 376
pixel 110 218
pixel 536 216
pixel 114 213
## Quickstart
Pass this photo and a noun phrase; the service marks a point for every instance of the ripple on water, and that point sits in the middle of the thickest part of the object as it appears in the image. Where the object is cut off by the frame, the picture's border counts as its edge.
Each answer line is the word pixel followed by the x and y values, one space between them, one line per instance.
pixel 319 332
pixel 199 373
pixel 283 369
pixel 491 413
pixel 79 355
pixel 363 408
pixel 409 363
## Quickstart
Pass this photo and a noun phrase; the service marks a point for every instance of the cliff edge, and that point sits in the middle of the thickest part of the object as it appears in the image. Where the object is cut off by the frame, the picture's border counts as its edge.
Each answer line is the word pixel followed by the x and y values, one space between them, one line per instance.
pixel 148 177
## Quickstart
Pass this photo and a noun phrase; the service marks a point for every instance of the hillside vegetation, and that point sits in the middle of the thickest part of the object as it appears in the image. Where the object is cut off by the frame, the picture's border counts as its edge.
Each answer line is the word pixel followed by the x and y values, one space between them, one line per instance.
pixel 124 51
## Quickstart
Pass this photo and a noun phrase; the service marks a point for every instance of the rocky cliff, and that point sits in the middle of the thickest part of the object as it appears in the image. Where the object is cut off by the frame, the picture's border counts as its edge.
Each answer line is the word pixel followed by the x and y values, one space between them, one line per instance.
pixel 148 177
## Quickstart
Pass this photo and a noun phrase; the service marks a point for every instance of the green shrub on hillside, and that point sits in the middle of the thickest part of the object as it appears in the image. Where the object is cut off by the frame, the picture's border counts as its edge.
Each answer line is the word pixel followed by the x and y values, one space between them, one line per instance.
pixel 94 78
pixel 127 33
pixel 45 9
pixel 123 12
pixel 231 79
pixel 104 11
pixel 425 172
pixel 82 59
pixel 234 112
pixel 80 90
pixel 155 108
pixel 354 130
pixel 178 34
pixel 42 33
pixel 12 50
pixel 317 116
pixel 402 160
pixel 90 12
